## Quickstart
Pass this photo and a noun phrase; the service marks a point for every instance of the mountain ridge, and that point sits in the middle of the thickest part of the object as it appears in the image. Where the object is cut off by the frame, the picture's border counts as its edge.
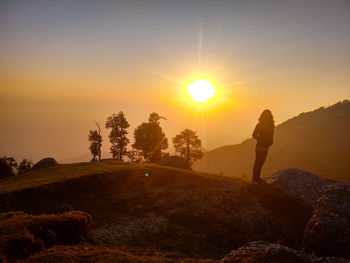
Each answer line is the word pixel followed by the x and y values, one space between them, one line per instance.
pixel 316 141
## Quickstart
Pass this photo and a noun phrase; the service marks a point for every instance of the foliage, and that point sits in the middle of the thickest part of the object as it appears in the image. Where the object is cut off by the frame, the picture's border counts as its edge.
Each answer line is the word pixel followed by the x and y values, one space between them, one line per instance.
pixel 118 125
pixel 95 139
pixel 150 138
pixel 135 156
pixel 188 145
pixel 155 118
pixel 24 166
pixel 7 166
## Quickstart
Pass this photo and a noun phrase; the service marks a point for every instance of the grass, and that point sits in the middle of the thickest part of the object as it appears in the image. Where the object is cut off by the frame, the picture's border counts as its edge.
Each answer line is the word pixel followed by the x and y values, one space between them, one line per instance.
pixel 64 172
pixel 98 254
pixel 200 215
pixel 22 234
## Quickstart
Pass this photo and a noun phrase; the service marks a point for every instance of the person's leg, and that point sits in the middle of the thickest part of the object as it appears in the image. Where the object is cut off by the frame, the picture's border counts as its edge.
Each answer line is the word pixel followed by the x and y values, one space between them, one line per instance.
pixel 260 158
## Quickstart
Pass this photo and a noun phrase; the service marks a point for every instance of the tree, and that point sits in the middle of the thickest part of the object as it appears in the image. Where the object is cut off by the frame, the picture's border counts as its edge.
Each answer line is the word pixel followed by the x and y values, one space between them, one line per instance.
pixel 135 156
pixel 155 118
pixel 150 138
pixel 118 125
pixel 188 146
pixel 7 166
pixel 95 139
pixel 25 166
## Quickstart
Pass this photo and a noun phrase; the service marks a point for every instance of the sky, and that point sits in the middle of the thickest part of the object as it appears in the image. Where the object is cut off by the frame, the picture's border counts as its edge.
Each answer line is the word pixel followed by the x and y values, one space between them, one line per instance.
pixel 65 65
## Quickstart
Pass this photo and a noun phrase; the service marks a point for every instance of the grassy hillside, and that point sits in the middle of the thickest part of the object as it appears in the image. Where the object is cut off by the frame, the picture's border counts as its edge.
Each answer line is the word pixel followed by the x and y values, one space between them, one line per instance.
pixel 316 141
pixel 199 215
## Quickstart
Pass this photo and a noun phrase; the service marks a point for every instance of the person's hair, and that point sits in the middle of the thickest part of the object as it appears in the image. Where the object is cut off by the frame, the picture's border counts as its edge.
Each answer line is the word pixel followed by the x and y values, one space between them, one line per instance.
pixel 266 119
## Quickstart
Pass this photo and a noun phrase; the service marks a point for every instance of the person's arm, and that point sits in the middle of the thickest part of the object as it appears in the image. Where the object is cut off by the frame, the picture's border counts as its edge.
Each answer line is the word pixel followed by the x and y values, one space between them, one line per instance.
pixel 256 132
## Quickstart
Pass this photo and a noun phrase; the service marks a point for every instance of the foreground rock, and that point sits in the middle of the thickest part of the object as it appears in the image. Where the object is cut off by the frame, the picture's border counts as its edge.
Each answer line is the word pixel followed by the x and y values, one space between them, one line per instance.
pixel 46 162
pixel 22 234
pixel 328 230
pixel 304 185
pixel 262 252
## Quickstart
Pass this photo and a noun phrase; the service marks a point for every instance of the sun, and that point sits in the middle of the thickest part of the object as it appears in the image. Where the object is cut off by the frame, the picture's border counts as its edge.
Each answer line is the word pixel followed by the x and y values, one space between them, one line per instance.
pixel 201 90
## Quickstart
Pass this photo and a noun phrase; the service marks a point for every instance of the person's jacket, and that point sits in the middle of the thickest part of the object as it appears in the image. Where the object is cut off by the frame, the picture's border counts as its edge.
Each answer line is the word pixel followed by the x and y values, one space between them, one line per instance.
pixel 264 136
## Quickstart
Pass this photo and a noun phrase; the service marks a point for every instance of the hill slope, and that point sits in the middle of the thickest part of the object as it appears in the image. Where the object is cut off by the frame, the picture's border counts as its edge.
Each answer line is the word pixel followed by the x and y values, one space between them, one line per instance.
pixel 196 214
pixel 316 141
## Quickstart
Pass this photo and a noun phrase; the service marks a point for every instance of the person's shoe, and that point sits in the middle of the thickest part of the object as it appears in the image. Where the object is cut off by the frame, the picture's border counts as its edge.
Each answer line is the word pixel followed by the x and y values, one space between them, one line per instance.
pixel 261 181
pixel 255 181
pixel 258 181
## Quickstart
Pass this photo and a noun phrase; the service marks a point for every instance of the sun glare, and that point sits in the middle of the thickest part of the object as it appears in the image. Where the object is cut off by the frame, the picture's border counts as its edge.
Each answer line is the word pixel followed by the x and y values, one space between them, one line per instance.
pixel 201 90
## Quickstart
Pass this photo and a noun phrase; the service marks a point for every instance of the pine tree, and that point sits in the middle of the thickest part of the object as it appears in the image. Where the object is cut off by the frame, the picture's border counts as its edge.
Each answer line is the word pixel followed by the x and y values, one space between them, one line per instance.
pixel 188 145
pixel 118 125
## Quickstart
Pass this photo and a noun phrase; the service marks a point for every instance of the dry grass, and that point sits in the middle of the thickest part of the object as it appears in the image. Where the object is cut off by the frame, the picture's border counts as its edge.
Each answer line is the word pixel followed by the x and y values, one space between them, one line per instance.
pixel 22 234
pixel 200 215
pixel 96 254
pixel 64 172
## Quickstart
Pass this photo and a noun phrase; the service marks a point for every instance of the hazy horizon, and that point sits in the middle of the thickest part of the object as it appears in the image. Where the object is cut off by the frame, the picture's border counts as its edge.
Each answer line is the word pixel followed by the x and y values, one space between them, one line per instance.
pixel 66 64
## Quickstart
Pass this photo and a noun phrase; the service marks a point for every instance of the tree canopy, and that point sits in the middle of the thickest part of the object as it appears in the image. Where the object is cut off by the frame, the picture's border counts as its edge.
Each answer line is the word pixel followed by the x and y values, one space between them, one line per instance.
pixel 118 125
pixel 188 145
pixel 150 138
pixel 7 166
pixel 95 139
pixel 25 166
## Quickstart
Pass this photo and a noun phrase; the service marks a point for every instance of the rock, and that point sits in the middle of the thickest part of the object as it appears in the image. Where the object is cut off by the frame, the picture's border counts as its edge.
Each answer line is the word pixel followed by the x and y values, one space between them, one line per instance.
pixel 263 252
pixel 328 230
pixel 46 162
pixel 174 161
pixel 304 185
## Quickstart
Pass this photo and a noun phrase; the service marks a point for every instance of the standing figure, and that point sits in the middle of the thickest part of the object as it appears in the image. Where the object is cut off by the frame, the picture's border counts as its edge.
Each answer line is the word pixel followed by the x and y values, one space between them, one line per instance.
pixel 263 133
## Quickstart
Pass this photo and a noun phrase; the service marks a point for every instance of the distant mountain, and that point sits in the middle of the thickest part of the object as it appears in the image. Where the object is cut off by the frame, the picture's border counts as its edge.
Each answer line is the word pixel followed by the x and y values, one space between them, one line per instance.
pixel 316 141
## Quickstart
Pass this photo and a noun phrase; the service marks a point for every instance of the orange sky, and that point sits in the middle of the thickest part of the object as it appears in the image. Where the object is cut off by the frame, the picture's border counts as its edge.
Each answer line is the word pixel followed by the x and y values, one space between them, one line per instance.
pixel 64 66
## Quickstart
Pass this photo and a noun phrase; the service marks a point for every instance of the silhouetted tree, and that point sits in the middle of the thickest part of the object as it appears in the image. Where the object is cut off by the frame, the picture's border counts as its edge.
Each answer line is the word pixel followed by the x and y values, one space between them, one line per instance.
pixel 7 166
pixel 188 146
pixel 155 118
pixel 150 138
pixel 99 144
pixel 25 166
pixel 95 139
pixel 118 125
pixel 135 156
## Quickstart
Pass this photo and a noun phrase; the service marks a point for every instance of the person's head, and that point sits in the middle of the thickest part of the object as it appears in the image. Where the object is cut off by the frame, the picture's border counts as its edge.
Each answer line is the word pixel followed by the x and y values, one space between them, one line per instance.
pixel 266 118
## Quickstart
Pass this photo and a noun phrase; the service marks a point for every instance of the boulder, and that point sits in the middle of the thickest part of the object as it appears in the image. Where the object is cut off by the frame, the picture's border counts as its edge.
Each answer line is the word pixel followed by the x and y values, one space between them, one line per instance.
pixel 174 161
pixel 46 162
pixel 328 230
pixel 304 185
pixel 263 252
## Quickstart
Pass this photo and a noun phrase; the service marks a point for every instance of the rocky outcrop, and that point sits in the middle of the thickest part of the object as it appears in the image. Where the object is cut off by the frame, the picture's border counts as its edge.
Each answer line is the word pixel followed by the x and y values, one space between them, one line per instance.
pixel 304 185
pixel 262 252
pixel 22 234
pixel 174 161
pixel 46 162
pixel 328 230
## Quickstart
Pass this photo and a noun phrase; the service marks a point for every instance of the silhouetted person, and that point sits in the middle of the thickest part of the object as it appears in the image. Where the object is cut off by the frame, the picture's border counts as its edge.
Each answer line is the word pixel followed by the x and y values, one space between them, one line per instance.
pixel 263 133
